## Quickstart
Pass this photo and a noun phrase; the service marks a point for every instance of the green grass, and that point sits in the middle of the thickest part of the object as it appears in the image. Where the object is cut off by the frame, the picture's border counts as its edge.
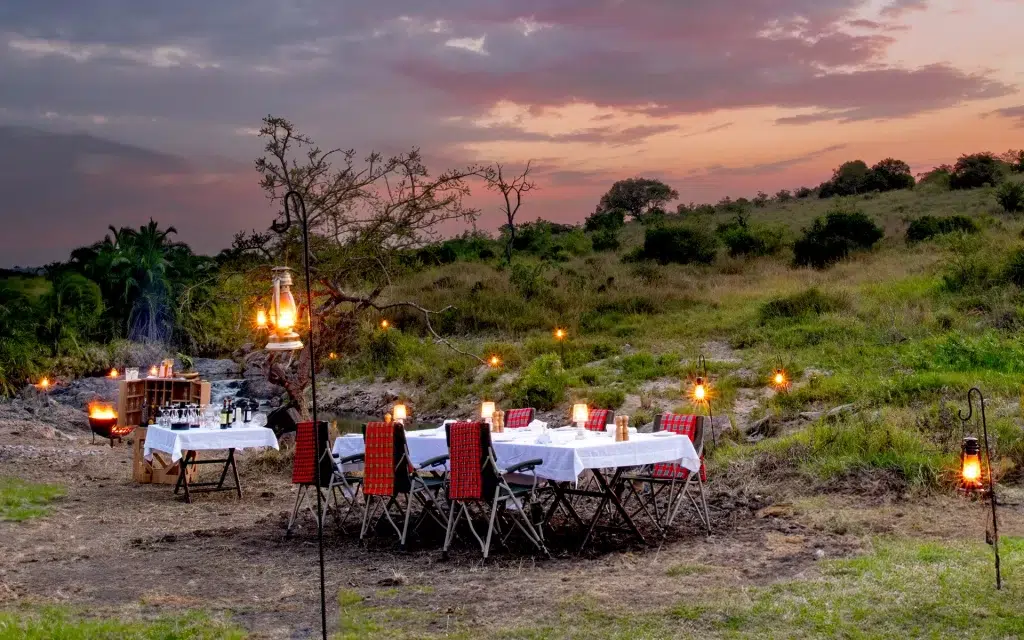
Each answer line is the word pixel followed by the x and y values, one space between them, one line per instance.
pixel 20 500
pixel 901 588
pixel 61 623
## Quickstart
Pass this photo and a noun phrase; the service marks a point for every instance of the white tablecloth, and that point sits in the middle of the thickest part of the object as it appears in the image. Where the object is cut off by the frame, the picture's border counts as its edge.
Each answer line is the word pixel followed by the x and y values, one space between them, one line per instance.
pixel 565 457
pixel 178 442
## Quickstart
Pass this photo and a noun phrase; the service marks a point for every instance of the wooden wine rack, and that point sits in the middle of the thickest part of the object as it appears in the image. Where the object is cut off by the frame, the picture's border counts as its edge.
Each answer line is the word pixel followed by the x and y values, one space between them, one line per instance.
pixel 133 395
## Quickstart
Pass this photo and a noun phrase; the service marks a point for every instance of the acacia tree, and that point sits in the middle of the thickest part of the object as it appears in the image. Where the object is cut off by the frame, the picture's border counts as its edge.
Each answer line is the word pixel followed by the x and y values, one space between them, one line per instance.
pixel 638 196
pixel 512 191
pixel 361 215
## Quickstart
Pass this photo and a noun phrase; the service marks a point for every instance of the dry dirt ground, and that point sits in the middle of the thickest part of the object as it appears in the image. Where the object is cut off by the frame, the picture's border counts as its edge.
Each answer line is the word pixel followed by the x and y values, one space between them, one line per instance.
pixel 126 549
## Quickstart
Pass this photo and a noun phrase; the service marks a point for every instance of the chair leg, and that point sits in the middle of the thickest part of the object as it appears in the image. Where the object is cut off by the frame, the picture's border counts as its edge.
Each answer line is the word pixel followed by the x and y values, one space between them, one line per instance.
pixel 408 512
pixel 450 529
pixel 490 527
pixel 295 511
pixel 367 502
pixel 673 511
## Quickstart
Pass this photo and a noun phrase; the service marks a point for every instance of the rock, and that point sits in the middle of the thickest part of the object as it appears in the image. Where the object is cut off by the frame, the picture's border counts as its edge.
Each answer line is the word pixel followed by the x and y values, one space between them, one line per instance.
pixel 810 415
pixel 79 393
pixel 259 389
pixel 811 372
pixel 282 421
pixel 841 409
pixel 211 369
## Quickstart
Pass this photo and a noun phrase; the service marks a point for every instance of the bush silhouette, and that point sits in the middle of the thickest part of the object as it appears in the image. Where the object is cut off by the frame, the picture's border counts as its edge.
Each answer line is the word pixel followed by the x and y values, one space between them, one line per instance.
pixel 890 175
pixel 1010 196
pixel 974 171
pixel 679 244
pixel 927 227
pixel 605 219
pixel 834 237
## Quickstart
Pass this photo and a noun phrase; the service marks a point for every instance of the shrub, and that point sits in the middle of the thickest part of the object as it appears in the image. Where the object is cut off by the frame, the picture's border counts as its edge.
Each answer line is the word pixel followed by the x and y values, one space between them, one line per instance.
pixel 1010 196
pixel 679 244
pixel 606 398
pixel 832 238
pixel 938 177
pixel 811 302
pixel 606 240
pixel 528 280
pixel 970 266
pixel 751 241
pixel 1014 271
pixel 804 192
pixel 974 171
pixel 927 227
pixel 783 195
pixel 890 175
pixel 542 386
pixel 605 220
pixel 761 200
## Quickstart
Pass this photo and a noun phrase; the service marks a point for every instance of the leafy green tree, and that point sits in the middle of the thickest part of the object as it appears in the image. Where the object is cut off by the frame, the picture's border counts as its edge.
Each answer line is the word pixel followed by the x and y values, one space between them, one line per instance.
pixel 832 238
pixel 637 196
pixel 1010 196
pixel 890 174
pixel 849 179
pixel 605 220
pixel 71 312
pixel 975 170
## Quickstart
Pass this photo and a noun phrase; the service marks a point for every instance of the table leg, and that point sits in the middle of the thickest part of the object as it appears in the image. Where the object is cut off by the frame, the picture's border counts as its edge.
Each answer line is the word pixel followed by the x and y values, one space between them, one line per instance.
pixel 183 474
pixel 560 499
pixel 610 496
pixel 234 471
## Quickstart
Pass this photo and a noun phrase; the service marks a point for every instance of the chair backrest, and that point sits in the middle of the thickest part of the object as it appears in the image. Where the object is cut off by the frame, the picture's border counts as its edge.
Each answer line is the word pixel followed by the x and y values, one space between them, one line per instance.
pixel 599 418
pixel 688 425
pixel 471 476
pixel 518 418
pixel 304 463
pixel 386 464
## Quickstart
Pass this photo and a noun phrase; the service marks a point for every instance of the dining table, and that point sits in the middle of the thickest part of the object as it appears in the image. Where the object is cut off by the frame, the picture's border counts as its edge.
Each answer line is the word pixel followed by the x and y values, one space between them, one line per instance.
pixel 568 453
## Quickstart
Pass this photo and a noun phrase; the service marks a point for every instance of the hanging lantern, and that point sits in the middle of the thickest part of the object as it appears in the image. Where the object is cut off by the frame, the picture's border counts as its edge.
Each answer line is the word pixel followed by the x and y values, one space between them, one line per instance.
pixel 284 314
pixel 400 413
pixel 700 391
pixel 487 411
pixel 332 356
pixel 261 318
pixel 970 464
pixel 780 380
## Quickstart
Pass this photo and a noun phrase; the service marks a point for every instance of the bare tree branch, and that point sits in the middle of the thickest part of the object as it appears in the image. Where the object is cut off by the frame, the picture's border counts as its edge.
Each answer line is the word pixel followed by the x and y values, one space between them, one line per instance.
pixel 512 191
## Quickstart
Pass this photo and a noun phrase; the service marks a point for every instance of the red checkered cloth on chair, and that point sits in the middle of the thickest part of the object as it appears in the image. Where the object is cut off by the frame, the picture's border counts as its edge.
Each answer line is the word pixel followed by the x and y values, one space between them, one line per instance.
pixel 467 448
pixel 598 419
pixel 687 426
pixel 518 418
pixel 304 463
pixel 379 464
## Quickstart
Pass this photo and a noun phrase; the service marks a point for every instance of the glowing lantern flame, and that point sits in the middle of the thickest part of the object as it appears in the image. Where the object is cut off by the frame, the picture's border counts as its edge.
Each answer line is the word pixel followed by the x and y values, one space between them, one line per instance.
pixel 384 324
pixel 494 361
pixel 580 413
pixel 780 378
pixel 487 410
pixel 559 334
pixel 99 411
pixel 113 373
pixel 44 383
pixel 700 391
pixel 333 356
pixel 153 371
pixel 288 312
pixel 261 319
pixel 400 413
pixel 970 471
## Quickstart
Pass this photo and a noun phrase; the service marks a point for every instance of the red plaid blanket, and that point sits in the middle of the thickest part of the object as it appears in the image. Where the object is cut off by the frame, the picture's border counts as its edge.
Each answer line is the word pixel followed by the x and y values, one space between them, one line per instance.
pixel 598 419
pixel 304 463
pixel 518 418
pixel 468 444
pixel 687 426
pixel 379 465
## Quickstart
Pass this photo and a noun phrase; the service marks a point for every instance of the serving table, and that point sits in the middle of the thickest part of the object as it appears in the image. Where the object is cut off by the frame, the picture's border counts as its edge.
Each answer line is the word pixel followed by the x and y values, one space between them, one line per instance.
pixel 565 457
pixel 183 445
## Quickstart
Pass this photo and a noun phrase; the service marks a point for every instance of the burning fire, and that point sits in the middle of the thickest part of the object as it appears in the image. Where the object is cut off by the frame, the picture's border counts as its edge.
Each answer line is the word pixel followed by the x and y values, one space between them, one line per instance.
pixel 113 373
pixel 100 411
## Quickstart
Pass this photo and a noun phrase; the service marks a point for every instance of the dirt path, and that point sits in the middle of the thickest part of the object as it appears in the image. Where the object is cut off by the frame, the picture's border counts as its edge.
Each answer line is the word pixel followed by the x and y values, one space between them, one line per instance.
pixel 130 549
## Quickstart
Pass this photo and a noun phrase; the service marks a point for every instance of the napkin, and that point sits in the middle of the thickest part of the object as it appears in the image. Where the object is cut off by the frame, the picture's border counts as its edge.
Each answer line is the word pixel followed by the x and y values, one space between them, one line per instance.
pixel 537 425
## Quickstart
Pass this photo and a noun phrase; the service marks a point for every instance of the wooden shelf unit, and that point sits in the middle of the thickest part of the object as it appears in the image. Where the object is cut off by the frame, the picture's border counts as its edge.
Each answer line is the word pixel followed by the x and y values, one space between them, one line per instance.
pixel 133 395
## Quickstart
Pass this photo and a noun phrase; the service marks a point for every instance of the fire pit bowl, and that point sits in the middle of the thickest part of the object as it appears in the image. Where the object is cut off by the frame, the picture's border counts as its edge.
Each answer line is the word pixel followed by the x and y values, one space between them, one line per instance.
pixel 103 423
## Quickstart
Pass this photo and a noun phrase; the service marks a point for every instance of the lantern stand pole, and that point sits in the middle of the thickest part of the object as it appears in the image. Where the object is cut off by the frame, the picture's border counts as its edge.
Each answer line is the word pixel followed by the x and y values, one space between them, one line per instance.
pixel 702 363
pixel 991 478
pixel 300 211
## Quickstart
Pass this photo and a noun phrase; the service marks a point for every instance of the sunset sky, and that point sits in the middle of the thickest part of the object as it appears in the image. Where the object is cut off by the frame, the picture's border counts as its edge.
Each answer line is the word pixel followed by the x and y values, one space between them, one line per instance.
pixel 716 97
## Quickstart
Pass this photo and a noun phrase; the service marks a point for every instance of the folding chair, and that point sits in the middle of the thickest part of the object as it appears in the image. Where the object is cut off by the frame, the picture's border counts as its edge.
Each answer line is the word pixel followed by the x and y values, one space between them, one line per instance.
pixel 388 474
pixel 476 480
pixel 518 418
pixel 345 482
pixel 599 418
pixel 673 476
pixel 304 467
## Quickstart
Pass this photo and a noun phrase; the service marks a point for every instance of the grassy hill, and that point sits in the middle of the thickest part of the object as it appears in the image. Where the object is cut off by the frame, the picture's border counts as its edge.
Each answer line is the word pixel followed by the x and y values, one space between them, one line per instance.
pixel 900 332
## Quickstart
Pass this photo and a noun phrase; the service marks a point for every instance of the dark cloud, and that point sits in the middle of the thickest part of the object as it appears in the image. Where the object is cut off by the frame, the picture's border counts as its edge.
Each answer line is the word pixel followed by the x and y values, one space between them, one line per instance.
pixel 1015 113
pixel 194 77
pixel 897 8
pixel 768 167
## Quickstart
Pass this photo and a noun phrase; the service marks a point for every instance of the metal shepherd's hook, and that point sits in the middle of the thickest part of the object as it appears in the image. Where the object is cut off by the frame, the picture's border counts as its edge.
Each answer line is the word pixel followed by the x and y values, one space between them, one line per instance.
pixel 702 366
pixel 991 477
pixel 280 227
